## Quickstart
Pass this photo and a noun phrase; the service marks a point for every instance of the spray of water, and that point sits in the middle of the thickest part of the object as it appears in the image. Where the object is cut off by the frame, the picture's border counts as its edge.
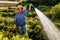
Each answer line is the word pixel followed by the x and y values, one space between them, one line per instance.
pixel 51 30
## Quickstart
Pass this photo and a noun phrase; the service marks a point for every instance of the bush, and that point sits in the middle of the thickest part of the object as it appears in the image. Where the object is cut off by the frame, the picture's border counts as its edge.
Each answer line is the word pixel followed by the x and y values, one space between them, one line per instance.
pixel 44 7
pixel 8 10
pixel 55 11
pixel 35 30
pixel 16 37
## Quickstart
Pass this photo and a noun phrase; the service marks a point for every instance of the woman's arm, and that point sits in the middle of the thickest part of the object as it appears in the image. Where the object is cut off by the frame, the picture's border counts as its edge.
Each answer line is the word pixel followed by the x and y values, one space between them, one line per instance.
pixel 28 9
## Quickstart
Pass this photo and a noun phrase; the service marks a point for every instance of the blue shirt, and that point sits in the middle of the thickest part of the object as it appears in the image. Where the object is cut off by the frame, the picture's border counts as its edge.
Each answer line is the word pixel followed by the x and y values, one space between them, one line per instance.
pixel 21 18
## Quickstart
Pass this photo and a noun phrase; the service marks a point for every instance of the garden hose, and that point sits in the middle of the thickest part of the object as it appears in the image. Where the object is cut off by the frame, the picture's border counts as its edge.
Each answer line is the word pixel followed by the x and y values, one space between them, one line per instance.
pixel 27 6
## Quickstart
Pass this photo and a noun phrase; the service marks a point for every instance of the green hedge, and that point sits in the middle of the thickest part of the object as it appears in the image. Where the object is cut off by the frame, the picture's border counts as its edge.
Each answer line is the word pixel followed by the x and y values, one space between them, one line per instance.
pixel 55 11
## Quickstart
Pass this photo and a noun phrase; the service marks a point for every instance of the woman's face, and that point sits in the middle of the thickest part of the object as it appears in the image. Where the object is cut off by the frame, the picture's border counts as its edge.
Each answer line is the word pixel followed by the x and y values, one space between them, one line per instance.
pixel 20 10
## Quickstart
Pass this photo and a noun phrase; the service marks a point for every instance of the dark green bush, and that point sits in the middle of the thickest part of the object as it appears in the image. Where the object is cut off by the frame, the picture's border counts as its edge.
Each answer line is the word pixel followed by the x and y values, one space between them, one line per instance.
pixel 8 10
pixel 44 7
pixel 35 30
pixel 55 11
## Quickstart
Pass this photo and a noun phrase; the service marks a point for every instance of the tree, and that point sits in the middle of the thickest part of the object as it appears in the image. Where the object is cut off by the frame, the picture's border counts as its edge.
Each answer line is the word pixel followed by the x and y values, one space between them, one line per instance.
pixel 45 2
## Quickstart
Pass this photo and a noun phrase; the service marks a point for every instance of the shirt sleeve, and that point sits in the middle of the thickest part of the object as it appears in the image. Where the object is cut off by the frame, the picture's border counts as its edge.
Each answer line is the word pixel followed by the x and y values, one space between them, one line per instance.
pixel 27 11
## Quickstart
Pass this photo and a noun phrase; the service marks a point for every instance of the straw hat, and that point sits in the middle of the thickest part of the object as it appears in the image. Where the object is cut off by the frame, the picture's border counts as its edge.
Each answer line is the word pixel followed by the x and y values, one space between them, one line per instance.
pixel 19 6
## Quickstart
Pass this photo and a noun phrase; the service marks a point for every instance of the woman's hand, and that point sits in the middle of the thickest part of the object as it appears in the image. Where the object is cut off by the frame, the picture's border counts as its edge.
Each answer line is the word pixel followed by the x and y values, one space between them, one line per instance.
pixel 30 6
